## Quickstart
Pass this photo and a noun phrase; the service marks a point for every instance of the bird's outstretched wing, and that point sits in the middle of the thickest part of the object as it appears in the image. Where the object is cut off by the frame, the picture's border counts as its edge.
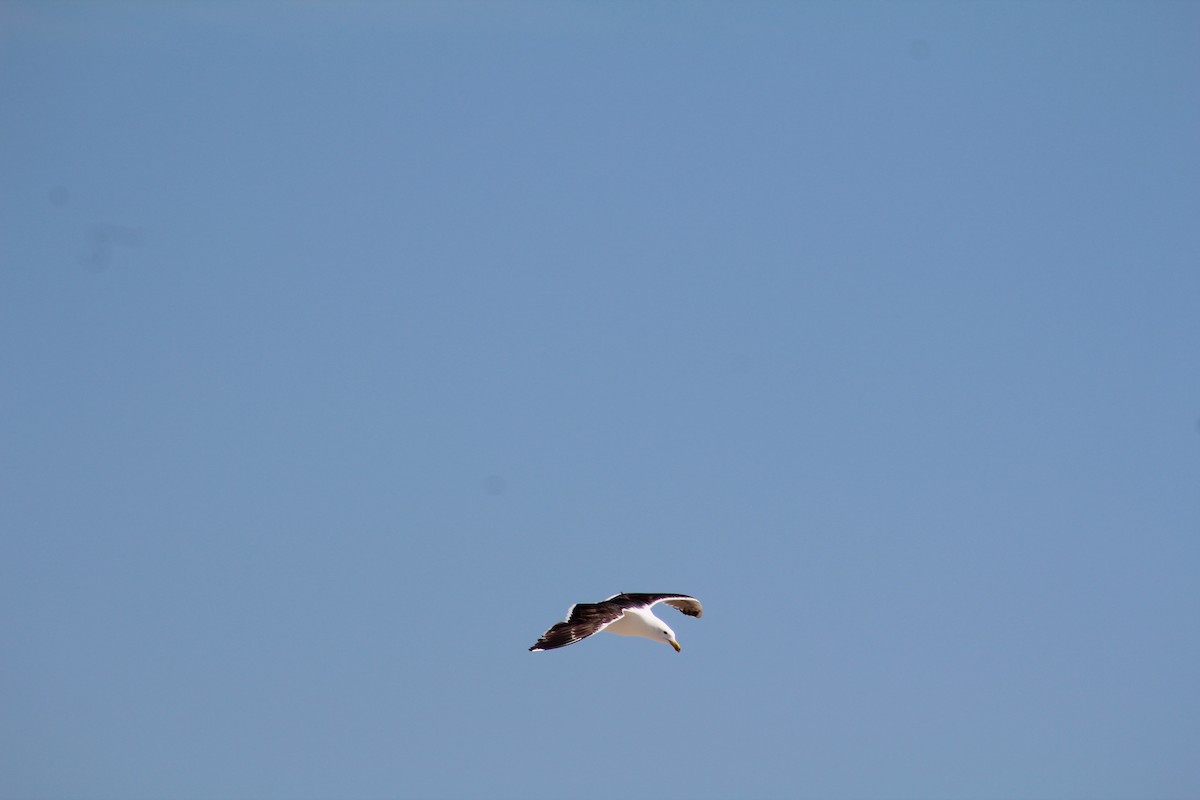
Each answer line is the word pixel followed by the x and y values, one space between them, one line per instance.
pixel 583 619
pixel 685 603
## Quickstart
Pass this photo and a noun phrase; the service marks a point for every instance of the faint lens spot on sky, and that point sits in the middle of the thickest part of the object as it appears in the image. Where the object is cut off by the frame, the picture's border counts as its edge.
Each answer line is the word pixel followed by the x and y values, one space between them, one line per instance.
pixel 102 239
pixel 919 49
pixel 59 196
pixel 495 485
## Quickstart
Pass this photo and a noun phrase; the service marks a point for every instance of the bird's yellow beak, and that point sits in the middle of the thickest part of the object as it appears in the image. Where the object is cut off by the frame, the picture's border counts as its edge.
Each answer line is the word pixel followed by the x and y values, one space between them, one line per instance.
pixel 675 644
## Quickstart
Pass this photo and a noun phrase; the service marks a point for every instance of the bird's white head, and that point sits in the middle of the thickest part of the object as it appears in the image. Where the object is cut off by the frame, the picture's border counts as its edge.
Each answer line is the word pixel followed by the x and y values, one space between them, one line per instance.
pixel 669 637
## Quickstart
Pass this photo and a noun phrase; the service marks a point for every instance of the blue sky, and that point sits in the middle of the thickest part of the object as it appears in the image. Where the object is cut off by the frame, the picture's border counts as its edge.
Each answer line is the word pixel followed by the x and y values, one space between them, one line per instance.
pixel 345 346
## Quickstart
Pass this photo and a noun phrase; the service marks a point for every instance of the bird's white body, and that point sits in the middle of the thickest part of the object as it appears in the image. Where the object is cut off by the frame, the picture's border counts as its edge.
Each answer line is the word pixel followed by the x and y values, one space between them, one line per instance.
pixel 640 622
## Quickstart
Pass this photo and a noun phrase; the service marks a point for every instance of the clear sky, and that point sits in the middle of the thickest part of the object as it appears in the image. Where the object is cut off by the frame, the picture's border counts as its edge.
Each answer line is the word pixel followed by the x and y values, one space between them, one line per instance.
pixel 344 346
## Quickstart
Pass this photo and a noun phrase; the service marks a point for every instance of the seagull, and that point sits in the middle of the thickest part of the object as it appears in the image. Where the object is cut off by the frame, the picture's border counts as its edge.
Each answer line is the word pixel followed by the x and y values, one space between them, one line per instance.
pixel 622 614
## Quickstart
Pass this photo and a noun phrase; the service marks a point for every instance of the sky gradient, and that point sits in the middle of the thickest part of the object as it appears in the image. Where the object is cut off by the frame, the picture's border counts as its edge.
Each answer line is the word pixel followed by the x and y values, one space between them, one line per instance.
pixel 344 346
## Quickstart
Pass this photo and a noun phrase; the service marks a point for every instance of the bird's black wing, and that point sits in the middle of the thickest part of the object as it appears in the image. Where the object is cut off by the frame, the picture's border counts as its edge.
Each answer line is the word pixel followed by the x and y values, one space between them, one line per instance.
pixel 582 621
pixel 685 603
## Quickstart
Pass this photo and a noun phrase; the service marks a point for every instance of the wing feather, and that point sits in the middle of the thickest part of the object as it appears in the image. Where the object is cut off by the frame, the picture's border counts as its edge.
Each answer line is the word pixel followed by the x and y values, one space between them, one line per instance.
pixel 685 603
pixel 583 620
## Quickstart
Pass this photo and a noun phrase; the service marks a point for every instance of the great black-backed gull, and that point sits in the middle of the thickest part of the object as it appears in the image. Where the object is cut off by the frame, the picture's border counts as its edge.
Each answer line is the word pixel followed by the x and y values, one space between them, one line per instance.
pixel 623 614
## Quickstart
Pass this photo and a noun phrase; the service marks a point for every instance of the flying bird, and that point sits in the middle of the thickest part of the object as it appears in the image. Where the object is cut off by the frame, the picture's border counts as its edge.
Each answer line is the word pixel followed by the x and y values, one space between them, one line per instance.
pixel 622 614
